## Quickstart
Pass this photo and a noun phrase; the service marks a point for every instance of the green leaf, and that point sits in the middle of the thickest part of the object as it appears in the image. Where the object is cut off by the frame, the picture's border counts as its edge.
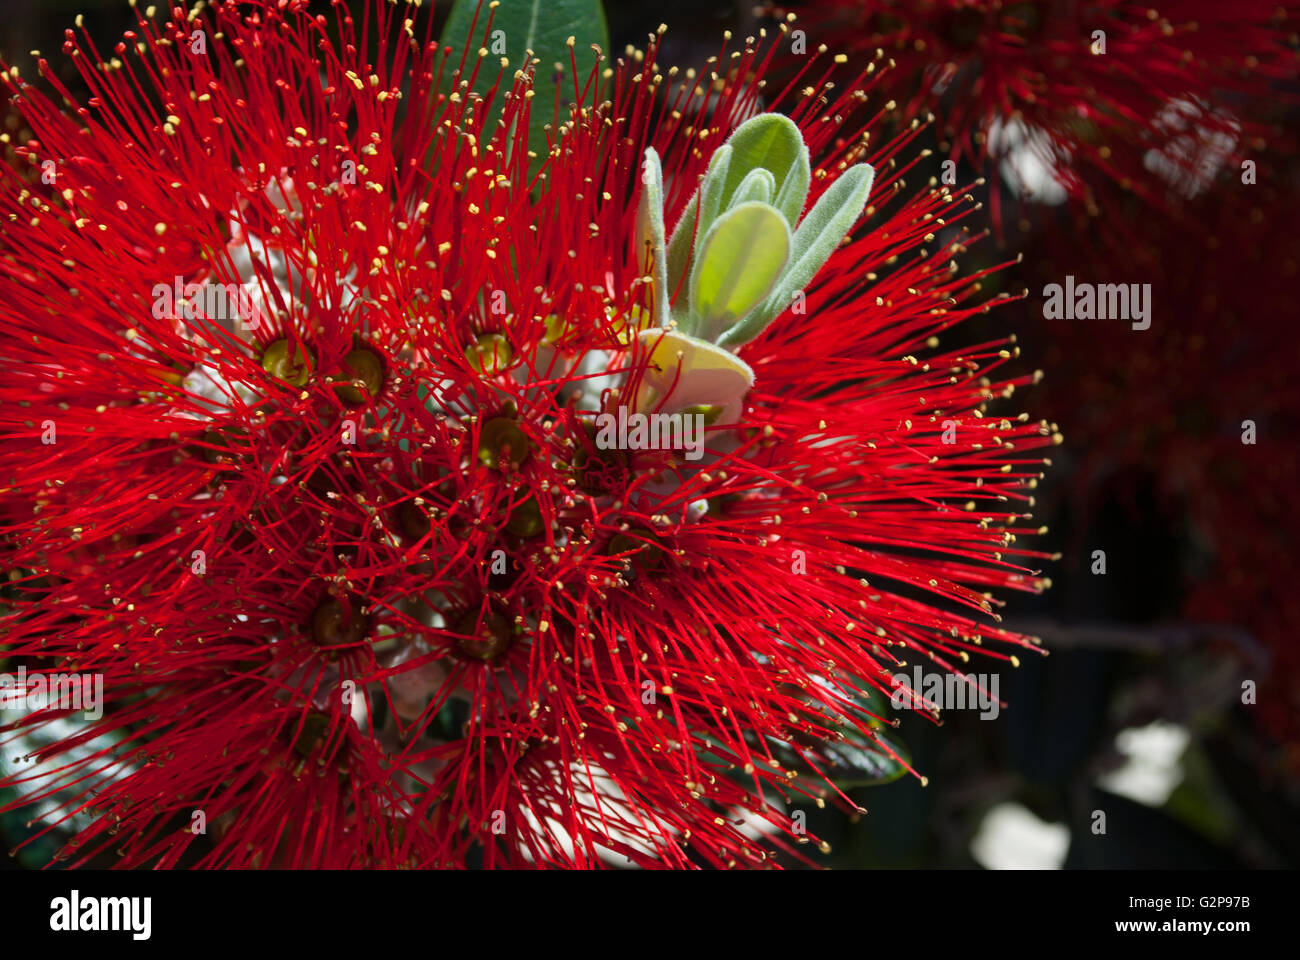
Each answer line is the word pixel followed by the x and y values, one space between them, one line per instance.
pixel 869 704
pixel 771 141
pixel 650 221
pixel 856 761
pixel 692 228
pixel 681 244
pixel 518 26
pixel 744 253
pixel 820 233
pixel 859 762
pixel 793 193
pixel 449 722
pixel 757 187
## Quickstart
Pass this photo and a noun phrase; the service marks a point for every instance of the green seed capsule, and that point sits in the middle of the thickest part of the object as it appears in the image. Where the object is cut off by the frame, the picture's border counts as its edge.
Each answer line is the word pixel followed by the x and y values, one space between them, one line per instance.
pixel 490 354
pixel 484 637
pixel 556 327
pixel 502 439
pixel 288 362
pixel 1022 19
pixel 218 445
pixel 332 627
pixel 598 471
pixel 526 519
pixel 364 376
pixel 311 735
pixel 414 520
pixel 647 556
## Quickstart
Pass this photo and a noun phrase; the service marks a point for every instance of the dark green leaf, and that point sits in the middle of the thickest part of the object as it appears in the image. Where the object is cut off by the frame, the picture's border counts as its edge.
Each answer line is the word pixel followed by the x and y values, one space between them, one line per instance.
pixel 518 26
pixel 861 762
pixel 857 761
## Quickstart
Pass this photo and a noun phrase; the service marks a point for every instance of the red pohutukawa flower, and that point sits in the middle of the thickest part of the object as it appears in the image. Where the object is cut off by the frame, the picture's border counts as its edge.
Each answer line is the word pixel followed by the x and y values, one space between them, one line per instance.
pixel 424 503
pixel 1073 95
